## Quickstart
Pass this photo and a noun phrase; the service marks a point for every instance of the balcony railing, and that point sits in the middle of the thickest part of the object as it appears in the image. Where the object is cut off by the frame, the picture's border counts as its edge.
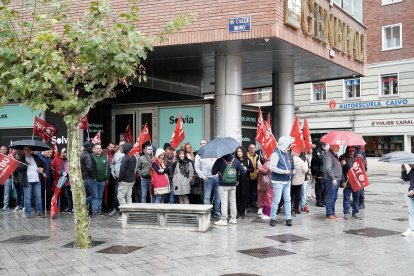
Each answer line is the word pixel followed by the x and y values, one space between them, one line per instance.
pixel 257 97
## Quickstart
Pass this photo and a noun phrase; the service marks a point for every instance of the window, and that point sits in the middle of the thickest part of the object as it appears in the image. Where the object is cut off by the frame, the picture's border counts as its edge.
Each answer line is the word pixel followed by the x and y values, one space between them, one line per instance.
pixel 319 91
pixel 391 37
pixel 389 84
pixel 352 7
pixel 352 88
pixel 377 146
pixel 388 2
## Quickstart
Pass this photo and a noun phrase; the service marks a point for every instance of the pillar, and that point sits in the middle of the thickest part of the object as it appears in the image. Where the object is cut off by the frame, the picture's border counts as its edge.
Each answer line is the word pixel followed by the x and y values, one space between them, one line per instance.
pixel 283 108
pixel 227 99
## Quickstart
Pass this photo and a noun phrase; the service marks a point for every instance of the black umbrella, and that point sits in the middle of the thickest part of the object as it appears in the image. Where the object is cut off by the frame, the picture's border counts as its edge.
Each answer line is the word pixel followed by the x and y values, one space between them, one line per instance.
pixel 33 144
pixel 218 147
pixel 398 157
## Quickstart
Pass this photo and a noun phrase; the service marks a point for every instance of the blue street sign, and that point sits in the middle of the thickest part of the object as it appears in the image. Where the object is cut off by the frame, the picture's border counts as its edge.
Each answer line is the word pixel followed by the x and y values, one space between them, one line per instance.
pixel 240 24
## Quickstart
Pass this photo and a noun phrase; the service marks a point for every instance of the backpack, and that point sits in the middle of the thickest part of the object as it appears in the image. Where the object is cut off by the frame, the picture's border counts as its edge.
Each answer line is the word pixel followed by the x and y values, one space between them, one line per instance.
pixel 230 173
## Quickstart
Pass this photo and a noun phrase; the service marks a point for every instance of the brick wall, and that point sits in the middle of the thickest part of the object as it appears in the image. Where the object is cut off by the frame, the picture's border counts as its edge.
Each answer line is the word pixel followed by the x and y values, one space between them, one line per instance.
pixel 376 16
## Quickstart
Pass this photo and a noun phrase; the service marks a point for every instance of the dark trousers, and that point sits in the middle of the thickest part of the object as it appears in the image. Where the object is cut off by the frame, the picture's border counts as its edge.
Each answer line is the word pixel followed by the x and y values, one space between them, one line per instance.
pixel 68 196
pixel 136 191
pixel 19 195
pixel 242 201
pixel 116 202
pixel 296 194
pixel 48 193
pixel 319 190
pixel 253 193
pixel 362 197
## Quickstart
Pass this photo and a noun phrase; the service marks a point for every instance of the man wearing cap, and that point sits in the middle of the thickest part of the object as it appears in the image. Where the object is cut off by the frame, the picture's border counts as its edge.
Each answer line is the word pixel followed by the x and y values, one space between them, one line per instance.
pixel 281 167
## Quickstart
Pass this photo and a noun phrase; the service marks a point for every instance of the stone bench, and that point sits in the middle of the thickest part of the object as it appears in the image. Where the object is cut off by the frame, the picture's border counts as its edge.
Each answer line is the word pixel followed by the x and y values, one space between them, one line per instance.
pixel 193 217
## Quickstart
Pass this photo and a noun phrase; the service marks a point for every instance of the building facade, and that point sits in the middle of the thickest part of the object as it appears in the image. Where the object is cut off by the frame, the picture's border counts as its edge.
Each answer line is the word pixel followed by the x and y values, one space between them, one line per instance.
pixel 380 105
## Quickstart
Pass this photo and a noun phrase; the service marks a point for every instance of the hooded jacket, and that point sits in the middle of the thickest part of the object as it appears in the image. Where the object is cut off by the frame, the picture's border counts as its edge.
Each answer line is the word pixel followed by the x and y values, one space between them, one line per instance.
pixel 88 166
pixel 128 164
pixel 220 165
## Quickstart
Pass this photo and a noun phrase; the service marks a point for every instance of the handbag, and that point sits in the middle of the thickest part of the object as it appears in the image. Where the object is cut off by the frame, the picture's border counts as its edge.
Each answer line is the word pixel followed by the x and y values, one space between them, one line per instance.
pixel 62 180
pixel 161 183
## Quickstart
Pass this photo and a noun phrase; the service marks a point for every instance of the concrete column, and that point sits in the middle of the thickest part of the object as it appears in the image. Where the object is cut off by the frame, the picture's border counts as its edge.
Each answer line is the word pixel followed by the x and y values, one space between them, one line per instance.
pixel 228 96
pixel 407 143
pixel 282 103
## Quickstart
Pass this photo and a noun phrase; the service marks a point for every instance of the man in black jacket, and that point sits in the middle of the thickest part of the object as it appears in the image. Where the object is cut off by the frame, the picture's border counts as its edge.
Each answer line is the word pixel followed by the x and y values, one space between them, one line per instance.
pixel 31 181
pixel 126 176
pixel 88 168
pixel 409 176
pixel 316 169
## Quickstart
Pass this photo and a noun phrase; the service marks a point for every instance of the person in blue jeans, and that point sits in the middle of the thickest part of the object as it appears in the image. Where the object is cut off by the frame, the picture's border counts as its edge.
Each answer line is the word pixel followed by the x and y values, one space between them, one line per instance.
pixel 347 161
pixel 332 174
pixel 31 181
pixel 203 168
pixel 410 197
pixel 281 166
pixel 88 168
pixel 143 170
pixel 103 173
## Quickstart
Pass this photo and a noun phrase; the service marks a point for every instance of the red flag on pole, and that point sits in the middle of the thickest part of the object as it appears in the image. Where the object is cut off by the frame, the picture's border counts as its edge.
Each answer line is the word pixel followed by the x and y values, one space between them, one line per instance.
pixel 54 209
pixel 260 132
pixel 306 136
pixel 97 138
pixel 357 176
pixel 298 144
pixel 55 151
pixel 269 126
pixel 144 137
pixel 178 134
pixel 7 167
pixel 269 142
pixel 44 129
pixel 83 124
pixel 128 137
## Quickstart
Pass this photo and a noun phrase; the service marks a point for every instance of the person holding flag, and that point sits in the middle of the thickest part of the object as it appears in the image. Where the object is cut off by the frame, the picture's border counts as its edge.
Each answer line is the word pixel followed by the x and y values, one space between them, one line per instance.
pixel 347 161
pixel 7 184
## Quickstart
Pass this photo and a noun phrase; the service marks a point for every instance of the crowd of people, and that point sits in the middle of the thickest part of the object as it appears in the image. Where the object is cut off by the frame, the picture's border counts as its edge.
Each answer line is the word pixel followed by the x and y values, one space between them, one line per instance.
pixel 240 182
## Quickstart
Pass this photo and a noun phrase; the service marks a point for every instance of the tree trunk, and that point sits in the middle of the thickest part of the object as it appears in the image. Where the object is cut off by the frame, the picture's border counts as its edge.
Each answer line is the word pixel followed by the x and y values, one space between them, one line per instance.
pixel 82 236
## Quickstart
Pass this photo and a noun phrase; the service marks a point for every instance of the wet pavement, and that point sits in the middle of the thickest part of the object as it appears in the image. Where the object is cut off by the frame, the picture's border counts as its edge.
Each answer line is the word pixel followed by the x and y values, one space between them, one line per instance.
pixel 313 246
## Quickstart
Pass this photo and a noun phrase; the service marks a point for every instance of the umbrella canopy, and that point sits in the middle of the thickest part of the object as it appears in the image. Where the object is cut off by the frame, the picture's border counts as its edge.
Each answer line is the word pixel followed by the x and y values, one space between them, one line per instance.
pixel 346 138
pixel 398 157
pixel 218 147
pixel 33 144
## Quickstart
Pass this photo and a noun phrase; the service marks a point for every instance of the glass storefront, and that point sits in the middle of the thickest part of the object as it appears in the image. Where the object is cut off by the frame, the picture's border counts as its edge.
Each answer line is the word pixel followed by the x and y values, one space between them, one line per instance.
pixel 379 145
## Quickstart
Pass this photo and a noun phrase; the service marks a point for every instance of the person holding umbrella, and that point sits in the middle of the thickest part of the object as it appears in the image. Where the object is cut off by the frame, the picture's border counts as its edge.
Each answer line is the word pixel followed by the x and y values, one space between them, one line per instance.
pixel 332 174
pixel 409 177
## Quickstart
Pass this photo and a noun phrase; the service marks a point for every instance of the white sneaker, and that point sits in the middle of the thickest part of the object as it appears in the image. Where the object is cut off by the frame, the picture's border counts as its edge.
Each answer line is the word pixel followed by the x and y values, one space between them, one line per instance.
pixel 233 221
pixel 221 223
pixel 407 233
pixel 260 212
pixel 17 208
pixel 265 217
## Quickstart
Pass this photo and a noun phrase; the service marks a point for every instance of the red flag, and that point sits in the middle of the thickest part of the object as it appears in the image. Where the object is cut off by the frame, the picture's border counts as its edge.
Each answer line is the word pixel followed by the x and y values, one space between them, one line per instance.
pixel 44 129
pixel 7 167
pixel 269 142
pixel 83 124
pixel 144 137
pixel 10 152
pixel 306 136
pixel 260 132
pixel 128 137
pixel 298 144
pixel 357 176
pixel 55 151
pixel 54 209
pixel 178 134
pixel 97 138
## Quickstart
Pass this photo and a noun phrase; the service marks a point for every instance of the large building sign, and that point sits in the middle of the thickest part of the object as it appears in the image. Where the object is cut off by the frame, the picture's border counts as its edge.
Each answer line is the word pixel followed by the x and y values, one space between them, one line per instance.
pixel 369 104
pixel 320 24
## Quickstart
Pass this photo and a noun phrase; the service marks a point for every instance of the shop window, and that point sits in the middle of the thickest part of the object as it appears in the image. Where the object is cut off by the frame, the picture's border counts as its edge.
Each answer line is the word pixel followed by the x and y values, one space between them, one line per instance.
pixel 319 92
pixel 391 37
pixel 377 146
pixel 352 88
pixel 388 2
pixel 389 84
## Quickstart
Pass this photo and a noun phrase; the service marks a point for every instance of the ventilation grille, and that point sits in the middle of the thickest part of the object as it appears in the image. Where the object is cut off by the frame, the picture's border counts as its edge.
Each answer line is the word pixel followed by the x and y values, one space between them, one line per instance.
pixel 181 220
pixel 143 218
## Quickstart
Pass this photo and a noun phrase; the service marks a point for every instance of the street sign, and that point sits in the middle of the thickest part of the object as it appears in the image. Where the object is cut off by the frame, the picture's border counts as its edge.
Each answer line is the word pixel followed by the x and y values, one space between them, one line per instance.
pixel 240 24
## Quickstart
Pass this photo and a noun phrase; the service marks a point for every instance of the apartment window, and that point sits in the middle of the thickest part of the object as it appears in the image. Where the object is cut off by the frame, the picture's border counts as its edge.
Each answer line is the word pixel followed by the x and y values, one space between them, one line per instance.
pixel 319 91
pixel 352 88
pixel 389 84
pixel 352 7
pixel 391 37
pixel 388 2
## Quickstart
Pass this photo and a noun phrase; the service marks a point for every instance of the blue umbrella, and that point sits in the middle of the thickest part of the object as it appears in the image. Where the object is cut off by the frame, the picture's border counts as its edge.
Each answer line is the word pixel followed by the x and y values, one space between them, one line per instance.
pixel 398 157
pixel 218 147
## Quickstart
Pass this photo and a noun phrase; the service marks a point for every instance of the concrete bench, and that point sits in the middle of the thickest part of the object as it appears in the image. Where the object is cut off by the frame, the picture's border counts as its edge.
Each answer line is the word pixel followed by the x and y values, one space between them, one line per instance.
pixel 193 217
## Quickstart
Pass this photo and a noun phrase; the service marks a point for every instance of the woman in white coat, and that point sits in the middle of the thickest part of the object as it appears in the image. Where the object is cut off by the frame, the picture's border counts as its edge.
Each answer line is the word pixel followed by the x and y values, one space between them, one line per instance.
pixel 299 172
